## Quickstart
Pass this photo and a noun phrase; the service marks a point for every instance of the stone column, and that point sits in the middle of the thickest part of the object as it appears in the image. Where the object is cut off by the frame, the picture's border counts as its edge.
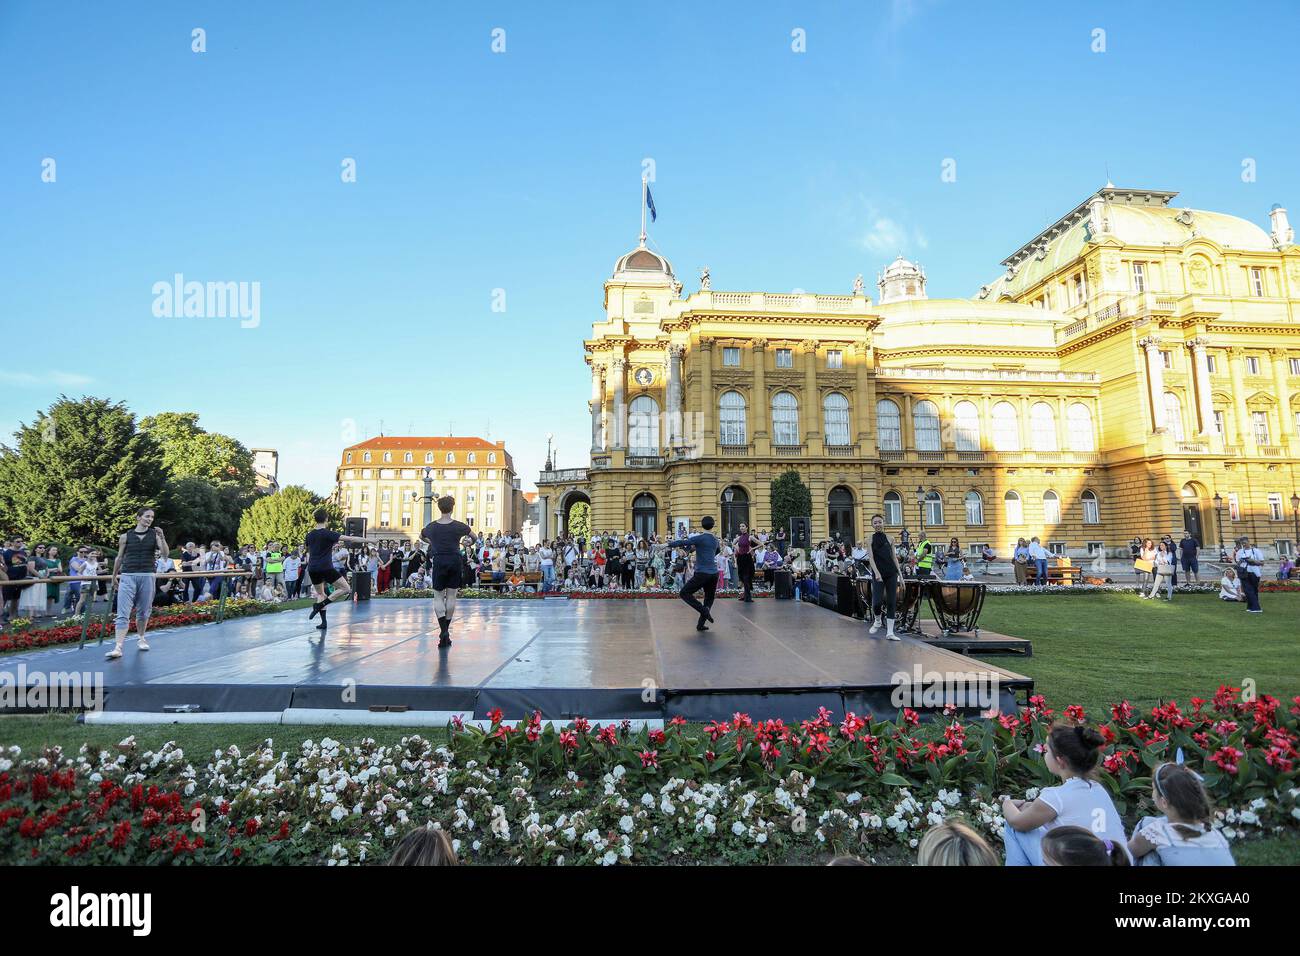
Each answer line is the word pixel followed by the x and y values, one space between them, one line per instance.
pixel 1286 421
pixel 1201 377
pixel 1245 435
pixel 862 401
pixel 674 397
pixel 812 398
pixel 618 368
pixel 1155 381
pixel 708 402
pixel 597 408
pixel 760 409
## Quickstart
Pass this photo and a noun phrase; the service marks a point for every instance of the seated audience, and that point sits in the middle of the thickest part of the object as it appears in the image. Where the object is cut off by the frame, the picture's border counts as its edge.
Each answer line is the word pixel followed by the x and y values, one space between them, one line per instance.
pixel 424 846
pixel 1079 846
pixel 1230 586
pixel 1184 835
pixel 955 843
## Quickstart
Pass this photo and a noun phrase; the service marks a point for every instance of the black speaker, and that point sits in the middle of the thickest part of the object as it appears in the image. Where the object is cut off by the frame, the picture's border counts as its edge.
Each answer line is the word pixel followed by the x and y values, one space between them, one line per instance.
pixel 783 585
pixel 801 533
pixel 354 527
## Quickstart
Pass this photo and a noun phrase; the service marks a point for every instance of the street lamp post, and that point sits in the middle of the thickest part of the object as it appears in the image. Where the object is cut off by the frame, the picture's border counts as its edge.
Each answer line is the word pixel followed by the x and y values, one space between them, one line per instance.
pixel 920 507
pixel 1295 515
pixel 1218 520
pixel 428 496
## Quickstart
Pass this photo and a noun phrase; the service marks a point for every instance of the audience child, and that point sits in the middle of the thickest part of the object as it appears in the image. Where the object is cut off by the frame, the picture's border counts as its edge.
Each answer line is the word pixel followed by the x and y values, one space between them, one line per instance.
pixel 1184 835
pixel 1079 846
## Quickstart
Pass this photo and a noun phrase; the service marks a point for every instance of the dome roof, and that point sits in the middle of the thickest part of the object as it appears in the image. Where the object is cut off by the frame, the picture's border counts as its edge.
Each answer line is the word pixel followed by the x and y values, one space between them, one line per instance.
pixel 901 267
pixel 642 260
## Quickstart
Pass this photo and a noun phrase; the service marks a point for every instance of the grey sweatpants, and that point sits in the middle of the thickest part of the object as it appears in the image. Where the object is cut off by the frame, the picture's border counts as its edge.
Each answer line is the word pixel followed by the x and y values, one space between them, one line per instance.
pixel 137 590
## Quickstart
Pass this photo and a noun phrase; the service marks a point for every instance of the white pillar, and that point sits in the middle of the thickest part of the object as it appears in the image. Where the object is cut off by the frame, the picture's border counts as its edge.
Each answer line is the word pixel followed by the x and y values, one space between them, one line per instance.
pixel 597 408
pixel 1155 381
pixel 1201 373
pixel 619 370
pixel 674 395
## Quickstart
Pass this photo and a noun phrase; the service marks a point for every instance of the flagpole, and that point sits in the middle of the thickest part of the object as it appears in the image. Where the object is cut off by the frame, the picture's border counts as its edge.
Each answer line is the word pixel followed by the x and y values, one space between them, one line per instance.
pixel 643 204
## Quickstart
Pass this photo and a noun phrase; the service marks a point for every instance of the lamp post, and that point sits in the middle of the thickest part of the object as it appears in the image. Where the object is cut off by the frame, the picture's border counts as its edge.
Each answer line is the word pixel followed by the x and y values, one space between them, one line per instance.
pixel 1218 520
pixel 1295 516
pixel 428 496
pixel 728 495
pixel 920 507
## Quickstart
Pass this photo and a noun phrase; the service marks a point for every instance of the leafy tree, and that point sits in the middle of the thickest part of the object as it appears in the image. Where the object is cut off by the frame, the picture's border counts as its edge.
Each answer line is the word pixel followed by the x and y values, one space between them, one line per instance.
pixel 197 510
pixel 580 520
pixel 192 452
pixel 285 516
pixel 790 499
pixel 79 472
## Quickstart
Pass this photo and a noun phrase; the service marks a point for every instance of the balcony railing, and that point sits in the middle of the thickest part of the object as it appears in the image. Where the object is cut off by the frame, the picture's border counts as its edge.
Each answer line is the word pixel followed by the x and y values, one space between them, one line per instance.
pixel 970 456
pixel 997 374
pixel 1193 447
pixel 561 475
pixel 1270 451
pixel 842 451
pixel 644 461
pixel 735 451
pixel 891 454
pixel 789 451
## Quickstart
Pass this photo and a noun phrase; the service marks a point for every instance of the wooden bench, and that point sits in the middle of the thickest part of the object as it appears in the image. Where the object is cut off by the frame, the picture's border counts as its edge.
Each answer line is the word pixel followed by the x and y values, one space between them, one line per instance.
pixel 1062 573
pixel 531 579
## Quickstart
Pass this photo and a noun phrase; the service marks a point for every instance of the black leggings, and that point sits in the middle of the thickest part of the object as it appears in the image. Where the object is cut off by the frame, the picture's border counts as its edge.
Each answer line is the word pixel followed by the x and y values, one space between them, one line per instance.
pixel 745 570
pixel 884 591
pixel 701 579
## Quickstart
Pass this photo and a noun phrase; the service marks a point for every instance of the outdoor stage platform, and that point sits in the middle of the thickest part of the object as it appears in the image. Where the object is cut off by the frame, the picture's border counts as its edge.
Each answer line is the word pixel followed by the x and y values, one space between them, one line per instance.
pixel 613 658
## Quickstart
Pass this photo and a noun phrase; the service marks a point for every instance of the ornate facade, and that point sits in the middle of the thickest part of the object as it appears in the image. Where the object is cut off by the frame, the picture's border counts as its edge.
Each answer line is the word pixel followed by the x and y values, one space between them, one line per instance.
pixel 1134 361
pixel 382 480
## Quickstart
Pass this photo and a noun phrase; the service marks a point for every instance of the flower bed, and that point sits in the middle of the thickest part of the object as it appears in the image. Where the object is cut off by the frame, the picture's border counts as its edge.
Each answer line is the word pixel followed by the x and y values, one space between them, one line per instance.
pixel 738 791
pixel 493 594
pixel 68 631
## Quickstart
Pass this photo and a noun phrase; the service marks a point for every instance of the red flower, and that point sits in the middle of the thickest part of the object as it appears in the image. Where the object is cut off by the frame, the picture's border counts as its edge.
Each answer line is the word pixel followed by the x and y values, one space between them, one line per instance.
pixel 1225 727
pixel 911 717
pixel 716 730
pixel 1226 759
pixel 1107 734
pixel 709 756
pixel 657 737
pixel 120 834
pixel 649 758
pixel 568 740
pixel 741 720
pixel 1075 713
pixel 677 721
pixel 495 715
pixel 581 724
pixel 1225 697
pixel 251 827
pixel 1122 712
pixel 457 724
pixel 1009 721
pixel 607 735
pixel 851 724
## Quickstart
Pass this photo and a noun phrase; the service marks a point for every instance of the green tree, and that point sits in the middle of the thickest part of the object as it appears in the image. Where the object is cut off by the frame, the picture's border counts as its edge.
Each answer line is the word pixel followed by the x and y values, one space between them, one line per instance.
pixel 285 516
pixel 790 499
pixel 192 452
pixel 197 510
pixel 580 520
pixel 79 472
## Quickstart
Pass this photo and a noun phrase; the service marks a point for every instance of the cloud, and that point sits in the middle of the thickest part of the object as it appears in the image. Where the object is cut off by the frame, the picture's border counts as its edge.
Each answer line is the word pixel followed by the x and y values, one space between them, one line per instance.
pixel 61 379
pixel 886 236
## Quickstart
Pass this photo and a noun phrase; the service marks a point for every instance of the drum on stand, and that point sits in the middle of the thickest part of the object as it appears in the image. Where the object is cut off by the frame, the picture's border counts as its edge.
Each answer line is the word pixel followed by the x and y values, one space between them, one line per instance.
pixel 956 606
pixel 911 592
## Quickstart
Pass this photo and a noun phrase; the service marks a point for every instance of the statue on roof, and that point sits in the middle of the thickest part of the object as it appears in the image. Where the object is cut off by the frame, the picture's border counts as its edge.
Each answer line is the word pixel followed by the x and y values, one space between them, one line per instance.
pixel 704 279
pixel 857 285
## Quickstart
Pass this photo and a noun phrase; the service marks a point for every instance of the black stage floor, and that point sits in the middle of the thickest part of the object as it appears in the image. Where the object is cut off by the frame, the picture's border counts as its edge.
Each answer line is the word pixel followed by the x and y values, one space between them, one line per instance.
pixel 594 658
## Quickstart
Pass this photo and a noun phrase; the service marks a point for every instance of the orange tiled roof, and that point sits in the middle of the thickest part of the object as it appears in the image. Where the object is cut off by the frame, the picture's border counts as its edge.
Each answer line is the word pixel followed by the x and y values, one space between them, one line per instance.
pixel 419 443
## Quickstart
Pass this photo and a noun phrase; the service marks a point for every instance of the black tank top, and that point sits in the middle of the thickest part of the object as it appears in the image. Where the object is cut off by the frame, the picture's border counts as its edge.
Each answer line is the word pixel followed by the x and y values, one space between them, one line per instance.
pixel 138 555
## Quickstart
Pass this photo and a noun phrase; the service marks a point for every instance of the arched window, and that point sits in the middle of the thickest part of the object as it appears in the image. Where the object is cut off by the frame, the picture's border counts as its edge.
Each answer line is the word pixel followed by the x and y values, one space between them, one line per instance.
pixel 471 458
pixel 388 456
pixel 731 419
pixel 1014 507
pixel 1051 508
pixel 1174 416
pixel 785 419
pixel 492 458
pixel 643 426
pixel 1042 426
pixel 428 458
pixel 1091 510
pixel 933 509
pixel 925 424
pixel 835 417
pixel 967 419
pixel 1080 422
pixel 366 457
pixel 451 458
pixel 408 458
pixel 974 508
pixel 888 426
pixel 1006 427
pixel 645 515
pixel 349 458
pixel 893 508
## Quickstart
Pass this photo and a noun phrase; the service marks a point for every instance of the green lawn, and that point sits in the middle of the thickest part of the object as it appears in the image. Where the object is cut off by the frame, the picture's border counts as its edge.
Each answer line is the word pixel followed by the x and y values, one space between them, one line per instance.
pixel 1096 649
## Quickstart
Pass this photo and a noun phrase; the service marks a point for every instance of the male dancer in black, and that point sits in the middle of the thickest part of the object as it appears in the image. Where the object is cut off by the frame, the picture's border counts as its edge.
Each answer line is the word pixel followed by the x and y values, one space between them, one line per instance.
pixel 706 570
pixel 320 565
pixel 444 535
pixel 884 587
pixel 745 563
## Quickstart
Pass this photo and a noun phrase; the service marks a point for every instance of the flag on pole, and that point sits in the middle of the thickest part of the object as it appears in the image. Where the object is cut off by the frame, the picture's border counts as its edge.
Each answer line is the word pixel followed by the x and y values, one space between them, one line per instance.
pixel 650 203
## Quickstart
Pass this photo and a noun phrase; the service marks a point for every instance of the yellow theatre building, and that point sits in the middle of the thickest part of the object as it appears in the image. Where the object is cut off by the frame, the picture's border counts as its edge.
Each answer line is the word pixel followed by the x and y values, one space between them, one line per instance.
pixel 1135 370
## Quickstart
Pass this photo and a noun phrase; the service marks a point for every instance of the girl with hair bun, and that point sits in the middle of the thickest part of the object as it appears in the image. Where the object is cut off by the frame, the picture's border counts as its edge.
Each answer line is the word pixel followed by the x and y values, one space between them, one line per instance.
pixel 1075 846
pixel 1184 835
pixel 1073 753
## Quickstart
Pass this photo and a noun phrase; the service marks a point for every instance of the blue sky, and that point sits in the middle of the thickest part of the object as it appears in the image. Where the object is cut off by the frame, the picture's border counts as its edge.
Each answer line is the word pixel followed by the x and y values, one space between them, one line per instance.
pixel 520 171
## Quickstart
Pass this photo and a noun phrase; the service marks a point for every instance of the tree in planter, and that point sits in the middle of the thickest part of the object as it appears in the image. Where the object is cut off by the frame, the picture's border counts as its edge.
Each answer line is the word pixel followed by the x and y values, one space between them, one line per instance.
pixel 79 473
pixel 285 516
pixel 580 520
pixel 790 499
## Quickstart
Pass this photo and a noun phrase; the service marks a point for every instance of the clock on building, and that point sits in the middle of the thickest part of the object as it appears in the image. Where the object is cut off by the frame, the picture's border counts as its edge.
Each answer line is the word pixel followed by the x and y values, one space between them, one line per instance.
pixel 644 376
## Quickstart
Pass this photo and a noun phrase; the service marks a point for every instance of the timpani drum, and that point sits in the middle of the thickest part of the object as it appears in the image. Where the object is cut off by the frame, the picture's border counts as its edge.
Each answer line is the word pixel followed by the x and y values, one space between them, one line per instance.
pixel 956 606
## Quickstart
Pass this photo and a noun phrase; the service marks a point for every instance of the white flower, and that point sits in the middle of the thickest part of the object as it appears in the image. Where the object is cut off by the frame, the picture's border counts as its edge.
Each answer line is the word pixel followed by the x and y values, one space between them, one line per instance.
pixel 853 798
pixel 647 799
pixel 625 823
pixel 609 859
pixel 338 813
pixel 738 828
